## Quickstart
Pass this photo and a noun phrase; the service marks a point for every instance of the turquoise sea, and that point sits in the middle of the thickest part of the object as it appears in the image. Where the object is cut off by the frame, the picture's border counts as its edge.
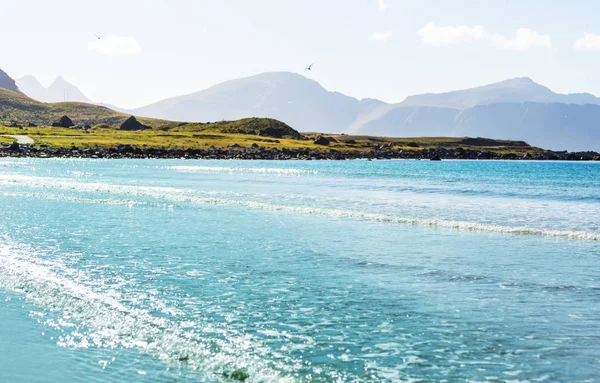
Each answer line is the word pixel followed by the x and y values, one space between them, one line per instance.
pixel 352 271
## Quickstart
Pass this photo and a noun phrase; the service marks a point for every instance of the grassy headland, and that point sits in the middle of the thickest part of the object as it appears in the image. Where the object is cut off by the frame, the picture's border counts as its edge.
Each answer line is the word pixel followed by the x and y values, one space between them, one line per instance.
pixel 194 136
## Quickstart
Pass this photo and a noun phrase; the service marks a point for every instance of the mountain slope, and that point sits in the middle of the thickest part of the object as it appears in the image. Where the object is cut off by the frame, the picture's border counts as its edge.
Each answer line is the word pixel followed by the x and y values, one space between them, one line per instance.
pixel 22 109
pixel 32 88
pixel 294 99
pixel 60 86
pixel 60 90
pixel 550 125
pixel 6 82
pixel 515 90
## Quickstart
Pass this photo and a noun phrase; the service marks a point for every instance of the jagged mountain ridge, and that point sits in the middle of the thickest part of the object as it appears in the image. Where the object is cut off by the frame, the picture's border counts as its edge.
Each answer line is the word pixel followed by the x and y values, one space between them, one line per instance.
pixel 60 90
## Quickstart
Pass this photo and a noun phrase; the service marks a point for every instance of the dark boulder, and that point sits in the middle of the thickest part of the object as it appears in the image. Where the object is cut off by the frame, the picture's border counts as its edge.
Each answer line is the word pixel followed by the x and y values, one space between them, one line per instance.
pixel 320 140
pixel 64 122
pixel 133 124
pixel 241 375
pixel 14 147
pixel 435 158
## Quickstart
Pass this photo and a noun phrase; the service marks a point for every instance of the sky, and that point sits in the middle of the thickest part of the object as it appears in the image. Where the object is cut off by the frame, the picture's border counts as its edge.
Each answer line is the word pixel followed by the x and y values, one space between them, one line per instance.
pixel 387 49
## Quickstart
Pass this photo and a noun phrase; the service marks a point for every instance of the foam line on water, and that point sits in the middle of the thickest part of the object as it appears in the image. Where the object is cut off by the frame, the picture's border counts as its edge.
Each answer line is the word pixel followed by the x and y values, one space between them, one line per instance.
pixel 225 169
pixel 116 325
pixel 60 197
pixel 215 198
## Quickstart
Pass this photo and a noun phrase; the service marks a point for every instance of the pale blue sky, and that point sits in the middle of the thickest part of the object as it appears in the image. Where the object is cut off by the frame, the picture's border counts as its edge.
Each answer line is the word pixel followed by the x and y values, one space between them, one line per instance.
pixel 363 48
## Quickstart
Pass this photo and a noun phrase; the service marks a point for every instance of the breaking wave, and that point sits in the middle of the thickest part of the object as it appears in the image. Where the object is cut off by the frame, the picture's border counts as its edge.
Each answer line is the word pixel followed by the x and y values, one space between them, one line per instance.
pixel 111 323
pixel 224 169
pixel 217 198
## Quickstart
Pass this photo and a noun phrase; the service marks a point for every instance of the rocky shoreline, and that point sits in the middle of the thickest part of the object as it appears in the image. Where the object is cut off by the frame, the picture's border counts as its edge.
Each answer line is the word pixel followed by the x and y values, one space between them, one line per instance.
pixel 262 153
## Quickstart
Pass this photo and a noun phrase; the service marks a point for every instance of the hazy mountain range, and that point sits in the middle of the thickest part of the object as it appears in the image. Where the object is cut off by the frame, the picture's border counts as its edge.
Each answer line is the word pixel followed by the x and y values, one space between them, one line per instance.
pixel 518 109
pixel 60 90
pixel 516 90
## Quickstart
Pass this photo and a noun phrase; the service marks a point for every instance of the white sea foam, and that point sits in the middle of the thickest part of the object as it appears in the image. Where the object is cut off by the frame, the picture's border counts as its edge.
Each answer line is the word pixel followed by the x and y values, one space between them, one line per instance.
pixel 225 169
pixel 60 197
pixel 233 199
pixel 114 324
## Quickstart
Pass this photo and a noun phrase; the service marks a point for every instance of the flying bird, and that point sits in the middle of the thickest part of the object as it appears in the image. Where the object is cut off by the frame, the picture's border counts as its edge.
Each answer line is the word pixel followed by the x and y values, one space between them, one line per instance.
pixel 310 66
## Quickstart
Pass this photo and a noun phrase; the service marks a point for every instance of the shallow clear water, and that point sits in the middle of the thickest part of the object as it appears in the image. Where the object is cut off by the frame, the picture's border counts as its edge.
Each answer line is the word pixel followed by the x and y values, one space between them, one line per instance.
pixel 391 271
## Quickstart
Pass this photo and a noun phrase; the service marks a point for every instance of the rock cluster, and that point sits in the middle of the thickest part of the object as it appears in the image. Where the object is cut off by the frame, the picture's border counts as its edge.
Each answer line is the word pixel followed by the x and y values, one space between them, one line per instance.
pixel 262 153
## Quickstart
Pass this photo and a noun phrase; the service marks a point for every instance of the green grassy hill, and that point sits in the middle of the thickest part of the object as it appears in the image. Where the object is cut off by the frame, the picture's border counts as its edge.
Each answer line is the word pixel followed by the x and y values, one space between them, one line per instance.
pixel 20 109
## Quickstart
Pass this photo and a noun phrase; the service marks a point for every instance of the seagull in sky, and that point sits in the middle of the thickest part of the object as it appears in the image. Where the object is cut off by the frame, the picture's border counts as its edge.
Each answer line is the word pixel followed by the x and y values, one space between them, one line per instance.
pixel 310 66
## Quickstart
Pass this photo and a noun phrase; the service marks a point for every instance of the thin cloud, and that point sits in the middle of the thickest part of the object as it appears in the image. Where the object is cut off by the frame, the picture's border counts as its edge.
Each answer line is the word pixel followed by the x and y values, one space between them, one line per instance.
pixel 588 42
pixel 382 5
pixel 115 46
pixel 523 39
pixel 381 36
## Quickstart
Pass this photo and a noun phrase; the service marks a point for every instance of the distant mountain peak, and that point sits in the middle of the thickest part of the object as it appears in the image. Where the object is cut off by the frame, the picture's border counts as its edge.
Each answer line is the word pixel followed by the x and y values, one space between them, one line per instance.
pixel 520 80
pixel 28 78
pixel 54 93
pixel 279 77
pixel 293 98
pixel 518 90
pixel 516 82
pixel 59 81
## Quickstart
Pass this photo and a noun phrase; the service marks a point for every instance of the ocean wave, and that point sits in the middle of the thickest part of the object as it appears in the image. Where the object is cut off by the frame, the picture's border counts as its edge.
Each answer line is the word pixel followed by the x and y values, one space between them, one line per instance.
pixel 114 324
pixel 225 169
pixel 60 197
pixel 217 198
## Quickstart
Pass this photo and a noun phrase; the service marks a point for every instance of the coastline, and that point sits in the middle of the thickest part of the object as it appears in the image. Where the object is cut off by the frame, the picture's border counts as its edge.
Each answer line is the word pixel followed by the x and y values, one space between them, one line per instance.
pixel 262 153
